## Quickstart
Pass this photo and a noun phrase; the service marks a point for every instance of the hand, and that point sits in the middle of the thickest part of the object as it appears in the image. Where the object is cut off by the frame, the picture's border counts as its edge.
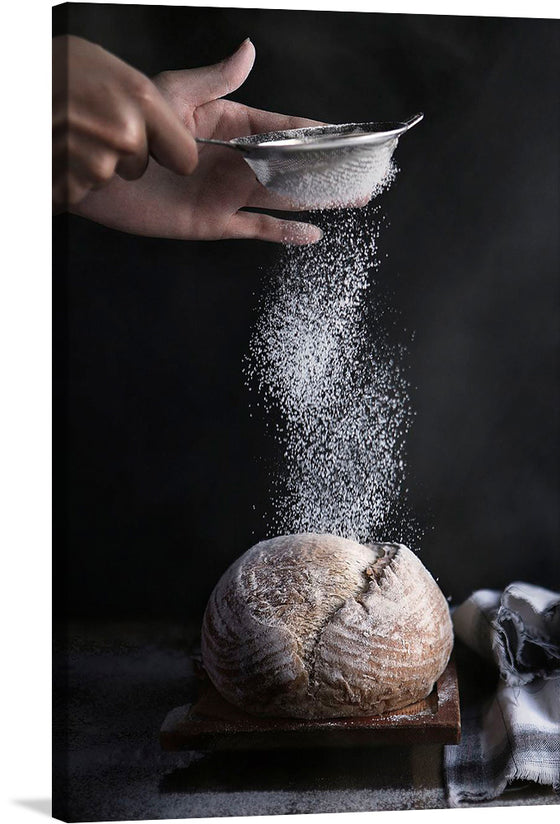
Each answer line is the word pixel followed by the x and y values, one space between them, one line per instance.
pixel 205 205
pixel 106 118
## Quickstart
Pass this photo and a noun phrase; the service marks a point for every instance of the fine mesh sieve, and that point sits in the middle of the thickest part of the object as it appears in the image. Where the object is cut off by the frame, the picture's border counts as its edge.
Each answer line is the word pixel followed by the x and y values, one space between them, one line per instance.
pixel 323 166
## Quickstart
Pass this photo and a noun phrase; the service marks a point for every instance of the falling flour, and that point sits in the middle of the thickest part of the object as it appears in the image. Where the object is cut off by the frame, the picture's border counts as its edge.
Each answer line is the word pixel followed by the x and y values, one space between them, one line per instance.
pixel 327 375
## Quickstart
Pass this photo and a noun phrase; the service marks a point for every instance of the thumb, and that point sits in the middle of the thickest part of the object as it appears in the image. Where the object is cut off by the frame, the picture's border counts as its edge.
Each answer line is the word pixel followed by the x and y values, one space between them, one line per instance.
pixel 208 83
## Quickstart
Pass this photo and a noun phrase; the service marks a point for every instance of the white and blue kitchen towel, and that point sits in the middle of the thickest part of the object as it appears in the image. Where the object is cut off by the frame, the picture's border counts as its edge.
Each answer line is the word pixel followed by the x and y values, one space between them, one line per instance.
pixel 516 735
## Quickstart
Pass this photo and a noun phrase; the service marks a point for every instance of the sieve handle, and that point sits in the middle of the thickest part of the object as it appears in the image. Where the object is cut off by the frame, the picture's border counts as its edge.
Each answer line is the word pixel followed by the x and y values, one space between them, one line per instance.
pixel 225 143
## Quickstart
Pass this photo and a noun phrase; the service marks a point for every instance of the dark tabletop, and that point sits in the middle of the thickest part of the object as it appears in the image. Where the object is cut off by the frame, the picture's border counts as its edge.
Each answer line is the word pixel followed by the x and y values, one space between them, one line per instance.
pixel 115 683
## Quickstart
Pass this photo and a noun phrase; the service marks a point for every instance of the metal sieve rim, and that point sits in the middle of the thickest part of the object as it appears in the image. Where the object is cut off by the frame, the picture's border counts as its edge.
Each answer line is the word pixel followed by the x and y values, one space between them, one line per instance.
pixel 330 136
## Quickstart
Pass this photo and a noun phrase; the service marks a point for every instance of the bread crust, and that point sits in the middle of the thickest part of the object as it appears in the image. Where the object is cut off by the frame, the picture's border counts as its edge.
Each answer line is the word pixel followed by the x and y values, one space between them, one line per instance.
pixel 316 626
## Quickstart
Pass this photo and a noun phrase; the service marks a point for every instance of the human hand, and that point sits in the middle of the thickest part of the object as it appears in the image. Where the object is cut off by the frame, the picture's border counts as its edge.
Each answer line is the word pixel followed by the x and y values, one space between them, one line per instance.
pixel 107 117
pixel 207 204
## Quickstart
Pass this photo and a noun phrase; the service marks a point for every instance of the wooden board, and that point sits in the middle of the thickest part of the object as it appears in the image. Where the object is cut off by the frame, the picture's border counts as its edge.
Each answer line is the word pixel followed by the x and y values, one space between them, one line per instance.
pixel 212 723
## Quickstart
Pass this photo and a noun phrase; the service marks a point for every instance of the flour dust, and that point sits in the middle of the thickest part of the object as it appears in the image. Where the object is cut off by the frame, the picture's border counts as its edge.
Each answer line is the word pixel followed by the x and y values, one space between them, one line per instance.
pixel 334 387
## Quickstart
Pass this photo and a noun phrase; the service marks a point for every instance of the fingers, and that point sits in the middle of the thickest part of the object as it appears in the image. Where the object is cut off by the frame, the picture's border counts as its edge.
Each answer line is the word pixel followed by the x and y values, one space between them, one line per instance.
pixel 169 140
pixel 264 198
pixel 264 227
pixel 80 164
pixel 262 121
pixel 227 119
pixel 133 166
pixel 194 87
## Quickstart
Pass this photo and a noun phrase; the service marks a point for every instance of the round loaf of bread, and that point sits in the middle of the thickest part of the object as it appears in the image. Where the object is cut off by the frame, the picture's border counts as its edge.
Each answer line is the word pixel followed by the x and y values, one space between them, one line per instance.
pixel 316 626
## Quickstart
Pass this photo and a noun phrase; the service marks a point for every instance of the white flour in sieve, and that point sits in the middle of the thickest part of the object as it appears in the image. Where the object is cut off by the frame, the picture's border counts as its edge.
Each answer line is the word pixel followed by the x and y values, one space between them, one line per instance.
pixel 316 180
pixel 322 365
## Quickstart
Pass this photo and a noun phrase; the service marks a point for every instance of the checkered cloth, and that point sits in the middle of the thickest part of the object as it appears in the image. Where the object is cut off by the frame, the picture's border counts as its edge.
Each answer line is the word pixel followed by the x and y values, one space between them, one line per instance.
pixel 516 733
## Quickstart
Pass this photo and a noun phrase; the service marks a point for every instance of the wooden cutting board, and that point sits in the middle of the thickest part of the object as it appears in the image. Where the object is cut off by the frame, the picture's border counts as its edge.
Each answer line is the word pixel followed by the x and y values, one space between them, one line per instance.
pixel 214 724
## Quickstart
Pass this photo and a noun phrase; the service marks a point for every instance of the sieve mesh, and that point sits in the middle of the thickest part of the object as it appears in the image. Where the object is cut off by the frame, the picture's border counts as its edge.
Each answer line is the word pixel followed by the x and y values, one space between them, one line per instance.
pixel 313 180
pixel 325 166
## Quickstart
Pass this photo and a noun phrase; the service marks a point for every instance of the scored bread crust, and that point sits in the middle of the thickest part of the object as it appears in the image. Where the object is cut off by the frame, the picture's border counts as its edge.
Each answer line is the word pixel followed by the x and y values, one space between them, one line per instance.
pixel 317 626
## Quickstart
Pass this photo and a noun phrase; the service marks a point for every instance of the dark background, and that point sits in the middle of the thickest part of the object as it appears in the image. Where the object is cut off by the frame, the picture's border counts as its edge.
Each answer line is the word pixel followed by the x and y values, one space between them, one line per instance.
pixel 157 463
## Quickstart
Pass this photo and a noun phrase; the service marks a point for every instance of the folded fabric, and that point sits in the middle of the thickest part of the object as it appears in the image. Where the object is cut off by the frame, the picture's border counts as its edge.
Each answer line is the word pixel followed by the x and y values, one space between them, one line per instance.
pixel 516 734
pixel 519 629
